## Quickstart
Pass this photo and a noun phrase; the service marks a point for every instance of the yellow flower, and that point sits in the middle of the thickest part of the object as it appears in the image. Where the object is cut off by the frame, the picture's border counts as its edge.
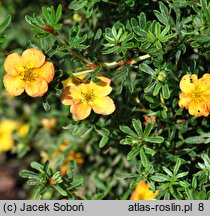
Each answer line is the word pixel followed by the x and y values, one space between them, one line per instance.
pixel 142 192
pixel 86 96
pixel 29 72
pixel 195 95
pixel 7 127
pixel 23 130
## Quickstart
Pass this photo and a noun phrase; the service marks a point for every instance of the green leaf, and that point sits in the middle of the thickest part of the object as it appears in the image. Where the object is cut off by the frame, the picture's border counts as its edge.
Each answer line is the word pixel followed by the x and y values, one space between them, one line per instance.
pixel 40 191
pixel 164 10
pixel 184 184
pixel 165 31
pixel 195 140
pixel 165 91
pixel 37 166
pixel 6 21
pixel 125 175
pixel 140 32
pixel 145 68
pixel 142 20
pixel 194 182
pixel 58 162
pixel 149 151
pixel 206 160
pixel 143 157
pixel 33 182
pixel 128 131
pixel 29 174
pixel 61 190
pixel 157 89
pixel 46 105
pixel 150 87
pixel 167 171
pixel 104 140
pixel 180 175
pixel 133 153
pixel 58 13
pixel 156 139
pixel 160 177
pixel 98 34
pixel 177 166
pixel 148 129
pixel 74 5
pixel 201 38
pixel 161 17
pixel 76 183
pixel 137 126
pixel 71 169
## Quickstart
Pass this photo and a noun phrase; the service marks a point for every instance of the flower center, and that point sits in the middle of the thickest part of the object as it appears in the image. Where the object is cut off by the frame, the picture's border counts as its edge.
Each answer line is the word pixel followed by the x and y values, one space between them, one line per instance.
pixel 88 97
pixel 198 95
pixel 27 74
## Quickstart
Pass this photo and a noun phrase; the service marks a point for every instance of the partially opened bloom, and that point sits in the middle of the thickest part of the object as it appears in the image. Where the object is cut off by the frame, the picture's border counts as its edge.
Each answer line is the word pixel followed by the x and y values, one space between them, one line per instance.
pixel 29 72
pixel 87 96
pixel 195 95
pixel 142 192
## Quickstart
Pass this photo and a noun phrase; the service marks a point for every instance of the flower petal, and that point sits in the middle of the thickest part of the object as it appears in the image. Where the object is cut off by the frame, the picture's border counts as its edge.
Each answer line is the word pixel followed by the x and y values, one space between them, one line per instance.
pixel 198 109
pixel 185 100
pixel 104 80
pixel 101 88
pixel 46 71
pixel 36 88
pixel 103 105
pixel 6 142
pixel 66 98
pixel 81 110
pixel 14 85
pixel 188 82
pixel 73 81
pixel 33 58
pixel 78 91
pixel 12 62
pixel 204 84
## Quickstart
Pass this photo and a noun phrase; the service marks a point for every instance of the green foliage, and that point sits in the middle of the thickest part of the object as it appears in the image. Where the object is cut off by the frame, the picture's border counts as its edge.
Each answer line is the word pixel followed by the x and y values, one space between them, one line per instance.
pixel 47 178
pixel 139 138
pixel 48 24
pixel 3 26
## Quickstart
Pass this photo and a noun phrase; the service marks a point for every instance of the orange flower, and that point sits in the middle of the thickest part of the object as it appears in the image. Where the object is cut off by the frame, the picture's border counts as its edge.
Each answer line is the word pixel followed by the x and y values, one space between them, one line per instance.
pixel 195 95
pixel 86 96
pixel 49 123
pixel 142 192
pixel 72 156
pixel 29 72
pixel 147 119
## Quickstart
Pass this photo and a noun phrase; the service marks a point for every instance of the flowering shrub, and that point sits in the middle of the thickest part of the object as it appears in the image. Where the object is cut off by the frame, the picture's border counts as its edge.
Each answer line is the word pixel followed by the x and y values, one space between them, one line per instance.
pixel 105 99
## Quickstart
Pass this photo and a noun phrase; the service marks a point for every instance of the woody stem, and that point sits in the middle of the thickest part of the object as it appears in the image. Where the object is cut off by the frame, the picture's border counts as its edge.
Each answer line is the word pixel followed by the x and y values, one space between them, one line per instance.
pixel 115 63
